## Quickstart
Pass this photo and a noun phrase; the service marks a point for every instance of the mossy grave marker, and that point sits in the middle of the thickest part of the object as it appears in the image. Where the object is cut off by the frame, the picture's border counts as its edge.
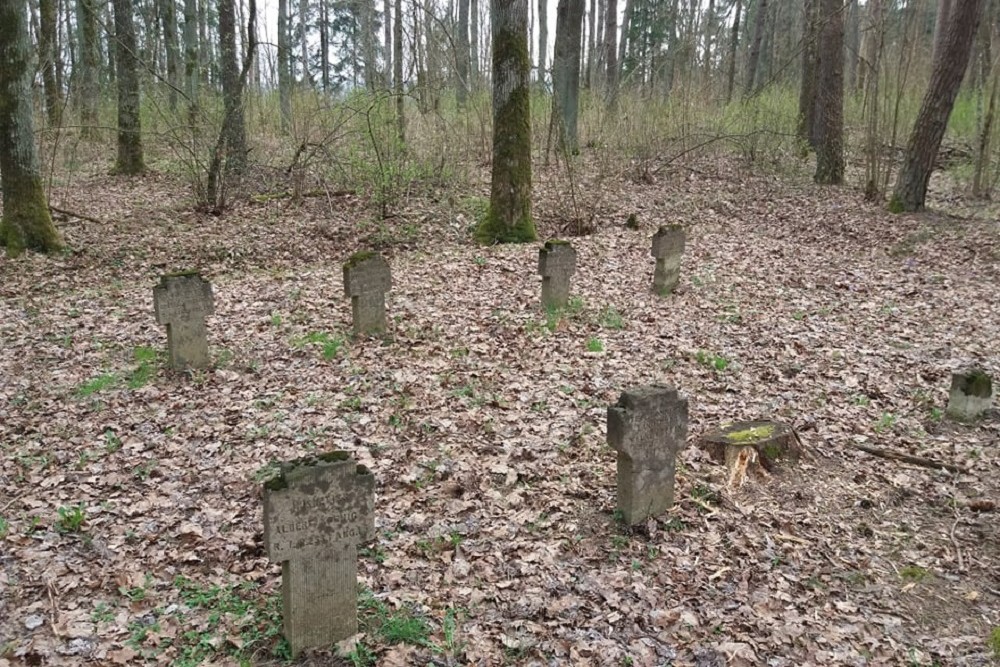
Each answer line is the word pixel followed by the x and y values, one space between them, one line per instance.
pixel 668 248
pixel 181 302
pixel 647 427
pixel 557 264
pixel 366 280
pixel 316 513
pixel 971 394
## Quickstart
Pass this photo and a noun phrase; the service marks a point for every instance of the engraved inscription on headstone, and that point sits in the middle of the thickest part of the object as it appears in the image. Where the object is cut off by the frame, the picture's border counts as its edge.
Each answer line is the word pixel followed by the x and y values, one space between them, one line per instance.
pixel 647 427
pixel 316 513
pixel 557 264
pixel 182 302
pixel 366 280
pixel 971 394
pixel 668 247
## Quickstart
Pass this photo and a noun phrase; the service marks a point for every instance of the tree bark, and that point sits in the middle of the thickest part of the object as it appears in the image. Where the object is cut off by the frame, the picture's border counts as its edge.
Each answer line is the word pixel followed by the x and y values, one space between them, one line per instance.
pixel 947 72
pixel 509 217
pixel 48 56
pixel 89 63
pixel 852 49
pixel 830 94
pixel 168 19
pixel 397 75
pixel 130 160
pixel 232 93
pixel 474 43
pixel 26 223
pixel 543 38
pixel 462 56
pixel 566 72
pixel 284 67
pixel 940 27
pixel 191 65
pixel 303 41
pixel 387 41
pixel 734 43
pixel 708 33
pixel 611 52
pixel 760 21
pixel 810 73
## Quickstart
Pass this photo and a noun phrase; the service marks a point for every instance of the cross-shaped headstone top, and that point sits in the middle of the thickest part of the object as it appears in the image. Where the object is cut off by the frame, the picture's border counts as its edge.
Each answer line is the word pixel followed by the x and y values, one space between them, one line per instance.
pixel 182 301
pixel 668 240
pixel 366 273
pixel 647 427
pixel 318 505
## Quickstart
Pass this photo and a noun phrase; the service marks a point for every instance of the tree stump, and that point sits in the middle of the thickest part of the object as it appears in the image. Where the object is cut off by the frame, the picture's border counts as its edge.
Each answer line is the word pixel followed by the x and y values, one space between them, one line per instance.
pixel 757 447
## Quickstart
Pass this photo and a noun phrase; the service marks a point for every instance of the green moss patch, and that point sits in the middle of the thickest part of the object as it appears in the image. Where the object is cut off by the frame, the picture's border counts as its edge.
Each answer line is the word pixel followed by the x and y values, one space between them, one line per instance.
pixel 751 435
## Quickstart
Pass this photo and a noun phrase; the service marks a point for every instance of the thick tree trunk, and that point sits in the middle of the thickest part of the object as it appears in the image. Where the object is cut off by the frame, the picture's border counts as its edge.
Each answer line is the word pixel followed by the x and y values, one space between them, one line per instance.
pixel 48 56
pixel 168 20
pixel 284 67
pixel 611 52
pixel 566 71
pixel 734 43
pixel 462 56
pixel 932 119
pixel 232 93
pixel 26 223
pixel 940 27
pixel 830 94
pixel 387 42
pixel 509 217
pixel 760 22
pixel 87 94
pixel 810 73
pixel 130 160
pixel 474 43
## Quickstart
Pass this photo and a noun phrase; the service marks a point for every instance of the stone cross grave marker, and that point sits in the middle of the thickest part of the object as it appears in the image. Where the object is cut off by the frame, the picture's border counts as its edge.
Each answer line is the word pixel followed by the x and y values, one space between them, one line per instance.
pixel 647 427
pixel 182 302
pixel 366 280
pixel 971 394
pixel 557 264
pixel 316 513
pixel 668 247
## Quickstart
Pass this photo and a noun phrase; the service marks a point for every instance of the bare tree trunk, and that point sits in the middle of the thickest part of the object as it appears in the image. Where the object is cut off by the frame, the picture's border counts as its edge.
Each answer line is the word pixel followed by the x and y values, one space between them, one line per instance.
pixel 191 57
pixel 760 21
pixel 474 43
pixel 130 160
pixel 90 60
pixel 324 46
pixel 810 73
pixel 566 72
pixel 591 45
pixel 830 94
pixel 932 119
pixel 626 29
pixel 462 57
pixel 168 20
pixel 708 34
pixel 303 41
pixel 869 73
pixel 387 42
pixel 509 217
pixel 397 76
pixel 543 38
pixel 940 27
pixel 852 50
pixel 985 136
pixel 611 52
pixel 284 66
pixel 368 43
pixel 26 223
pixel 734 43
pixel 232 94
pixel 48 56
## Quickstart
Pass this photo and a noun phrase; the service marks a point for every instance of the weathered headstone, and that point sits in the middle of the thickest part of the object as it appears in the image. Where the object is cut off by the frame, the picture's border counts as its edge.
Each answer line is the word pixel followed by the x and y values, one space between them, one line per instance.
pixel 366 280
pixel 182 301
pixel 668 247
pixel 557 264
pixel 971 394
pixel 316 513
pixel 647 427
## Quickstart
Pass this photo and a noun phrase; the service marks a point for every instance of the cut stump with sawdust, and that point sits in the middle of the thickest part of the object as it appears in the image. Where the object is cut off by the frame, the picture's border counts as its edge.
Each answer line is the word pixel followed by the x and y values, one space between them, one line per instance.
pixel 757 447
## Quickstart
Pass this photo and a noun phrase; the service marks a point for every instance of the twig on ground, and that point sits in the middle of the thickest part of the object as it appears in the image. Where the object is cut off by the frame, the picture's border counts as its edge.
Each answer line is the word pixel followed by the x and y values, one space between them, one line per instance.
pixel 71 214
pixel 910 458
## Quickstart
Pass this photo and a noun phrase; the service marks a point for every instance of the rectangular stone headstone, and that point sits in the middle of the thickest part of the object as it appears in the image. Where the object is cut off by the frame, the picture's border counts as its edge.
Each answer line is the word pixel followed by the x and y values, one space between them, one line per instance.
pixel 182 302
pixel 366 280
pixel 668 248
pixel 316 513
pixel 647 427
pixel 556 264
pixel 971 394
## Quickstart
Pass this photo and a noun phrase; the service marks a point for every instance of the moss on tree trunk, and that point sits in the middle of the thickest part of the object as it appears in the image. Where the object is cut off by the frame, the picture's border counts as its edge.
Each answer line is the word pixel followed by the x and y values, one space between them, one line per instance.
pixel 26 223
pixel 509 217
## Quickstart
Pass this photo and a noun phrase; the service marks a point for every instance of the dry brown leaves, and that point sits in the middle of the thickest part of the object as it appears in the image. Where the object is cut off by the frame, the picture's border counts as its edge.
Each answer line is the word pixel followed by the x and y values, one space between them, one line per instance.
pixel 484 424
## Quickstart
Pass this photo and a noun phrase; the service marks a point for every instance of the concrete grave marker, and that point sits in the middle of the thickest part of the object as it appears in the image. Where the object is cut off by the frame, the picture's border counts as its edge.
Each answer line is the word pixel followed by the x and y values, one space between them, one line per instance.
pixel 971 394
pixel 647 427
pixel 316 513
pixel 668 247
pixel 557 264
pixel 182 302
pixel 366 280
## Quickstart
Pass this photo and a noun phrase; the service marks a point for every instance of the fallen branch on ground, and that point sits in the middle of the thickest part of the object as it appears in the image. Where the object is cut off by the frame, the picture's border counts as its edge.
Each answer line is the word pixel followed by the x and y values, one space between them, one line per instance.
pixel 909 458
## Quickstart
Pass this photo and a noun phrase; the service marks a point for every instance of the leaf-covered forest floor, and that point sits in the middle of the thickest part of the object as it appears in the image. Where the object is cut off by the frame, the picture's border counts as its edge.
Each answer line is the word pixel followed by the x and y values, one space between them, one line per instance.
pixel 130 499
